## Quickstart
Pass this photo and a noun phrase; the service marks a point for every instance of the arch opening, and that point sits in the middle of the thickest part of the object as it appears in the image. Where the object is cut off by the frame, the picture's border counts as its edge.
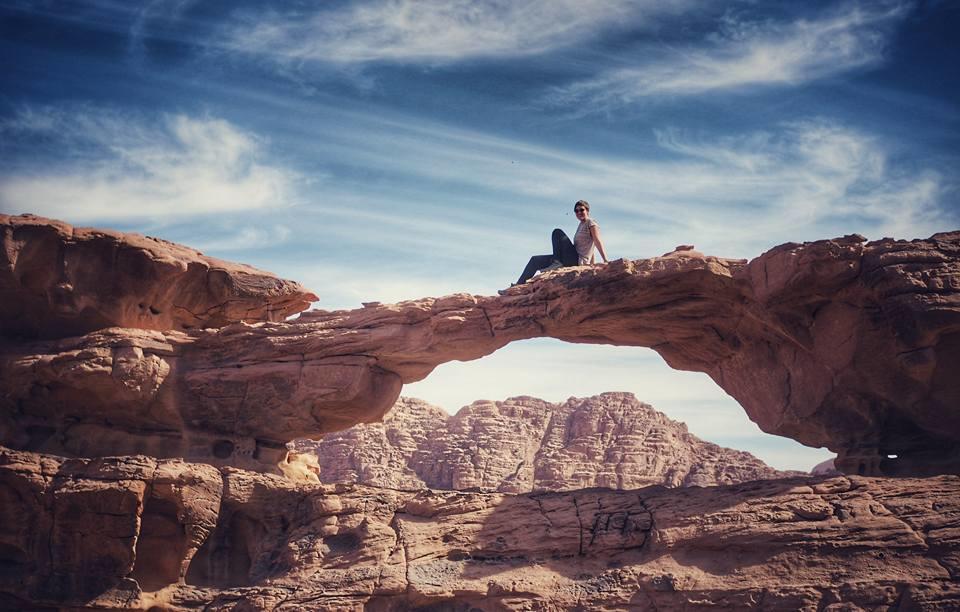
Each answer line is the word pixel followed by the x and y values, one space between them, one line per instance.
pixel 554 370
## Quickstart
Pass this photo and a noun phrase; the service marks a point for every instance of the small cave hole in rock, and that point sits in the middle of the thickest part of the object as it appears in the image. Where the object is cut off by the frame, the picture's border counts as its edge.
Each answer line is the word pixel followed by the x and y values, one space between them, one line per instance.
pixel 154 311
pixel 342 543
pixel 223 449
pixel 37 436
pixel 226 557
pixel 458 555
pixel 160 546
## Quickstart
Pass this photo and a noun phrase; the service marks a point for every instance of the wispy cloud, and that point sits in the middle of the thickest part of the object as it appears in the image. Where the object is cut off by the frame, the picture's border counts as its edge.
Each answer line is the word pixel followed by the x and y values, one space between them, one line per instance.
pixel 438 31
pixel 431 197
pixel 168 11
pixel 242 240
pixel 126 168
pixel 806 179
pixel 745 54
pixel 735 195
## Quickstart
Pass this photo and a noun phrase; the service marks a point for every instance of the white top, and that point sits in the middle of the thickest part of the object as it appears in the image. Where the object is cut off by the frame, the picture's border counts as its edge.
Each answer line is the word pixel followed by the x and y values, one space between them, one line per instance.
pixel 583 241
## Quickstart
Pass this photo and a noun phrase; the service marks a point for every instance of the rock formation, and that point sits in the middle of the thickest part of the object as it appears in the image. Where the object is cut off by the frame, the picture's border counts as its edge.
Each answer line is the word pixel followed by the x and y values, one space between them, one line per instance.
pixel 834 343
pixel 526 445
pixel 140 533
pixel 57 280
pixel 840 343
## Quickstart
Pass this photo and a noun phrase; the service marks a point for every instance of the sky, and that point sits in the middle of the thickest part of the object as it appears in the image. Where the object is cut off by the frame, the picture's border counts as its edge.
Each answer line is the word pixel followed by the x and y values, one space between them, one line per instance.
pixel 384 150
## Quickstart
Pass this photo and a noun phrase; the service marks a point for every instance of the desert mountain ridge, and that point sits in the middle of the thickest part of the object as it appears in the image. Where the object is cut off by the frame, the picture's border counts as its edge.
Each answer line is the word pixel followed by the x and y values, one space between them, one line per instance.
pixel 525 444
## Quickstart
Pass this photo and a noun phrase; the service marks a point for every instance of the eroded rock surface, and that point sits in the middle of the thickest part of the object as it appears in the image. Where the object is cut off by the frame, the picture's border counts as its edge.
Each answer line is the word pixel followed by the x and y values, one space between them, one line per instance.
pixel 835 343
pixel 134 532
pixel 57 280
pixel 525 444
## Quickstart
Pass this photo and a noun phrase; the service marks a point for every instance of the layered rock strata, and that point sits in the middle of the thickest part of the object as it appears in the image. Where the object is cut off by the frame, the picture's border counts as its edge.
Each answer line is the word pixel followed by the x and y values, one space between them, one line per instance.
pixel 139 533
pixel 57 280
pixel 836 343
pixel 525 444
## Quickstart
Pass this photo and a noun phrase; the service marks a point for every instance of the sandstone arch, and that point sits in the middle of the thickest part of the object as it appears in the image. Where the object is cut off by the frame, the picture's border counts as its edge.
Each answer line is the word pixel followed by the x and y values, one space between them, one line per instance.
pixel 836 343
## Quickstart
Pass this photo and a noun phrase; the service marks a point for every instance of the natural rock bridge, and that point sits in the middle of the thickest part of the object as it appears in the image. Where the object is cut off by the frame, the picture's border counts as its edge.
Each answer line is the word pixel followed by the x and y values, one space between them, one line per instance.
pixel 837 343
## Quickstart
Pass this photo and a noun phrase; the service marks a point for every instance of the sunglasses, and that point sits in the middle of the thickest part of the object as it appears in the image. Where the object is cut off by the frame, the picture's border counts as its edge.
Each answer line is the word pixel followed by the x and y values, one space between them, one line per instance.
pixel 579 209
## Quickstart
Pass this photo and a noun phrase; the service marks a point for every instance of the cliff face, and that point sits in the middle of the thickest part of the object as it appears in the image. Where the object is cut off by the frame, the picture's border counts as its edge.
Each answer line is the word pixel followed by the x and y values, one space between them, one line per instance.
pixel 140 533
pixel 525 445
pixel 836 343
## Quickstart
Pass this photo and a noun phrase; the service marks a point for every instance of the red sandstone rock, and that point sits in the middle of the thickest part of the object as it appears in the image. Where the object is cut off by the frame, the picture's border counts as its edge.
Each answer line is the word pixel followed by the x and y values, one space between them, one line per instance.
pixel 525 444
pixel 133 533
pixel 96 532
pixel 834 343
pixel 849 344
pixel 57 280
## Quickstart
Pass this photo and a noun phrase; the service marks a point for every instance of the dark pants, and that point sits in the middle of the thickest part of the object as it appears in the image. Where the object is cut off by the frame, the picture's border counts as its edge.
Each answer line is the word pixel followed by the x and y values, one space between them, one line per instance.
pixel 563 251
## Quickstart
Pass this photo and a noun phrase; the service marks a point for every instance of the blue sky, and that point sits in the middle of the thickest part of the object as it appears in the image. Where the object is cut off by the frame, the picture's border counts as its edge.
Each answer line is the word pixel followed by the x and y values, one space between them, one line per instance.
pixel 395 149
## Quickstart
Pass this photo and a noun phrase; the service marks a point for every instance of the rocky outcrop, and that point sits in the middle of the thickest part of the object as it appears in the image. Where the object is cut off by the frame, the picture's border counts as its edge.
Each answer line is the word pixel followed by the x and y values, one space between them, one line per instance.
pixel 138 533
pixel 836 343
pixel 524 445
pixel 839 343
pixel 57 280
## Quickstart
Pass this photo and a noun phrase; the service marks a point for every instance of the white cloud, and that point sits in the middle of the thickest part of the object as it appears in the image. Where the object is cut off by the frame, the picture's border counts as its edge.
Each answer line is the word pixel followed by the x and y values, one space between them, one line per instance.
pixel 124 168
pixel 744 55
pixel 439 30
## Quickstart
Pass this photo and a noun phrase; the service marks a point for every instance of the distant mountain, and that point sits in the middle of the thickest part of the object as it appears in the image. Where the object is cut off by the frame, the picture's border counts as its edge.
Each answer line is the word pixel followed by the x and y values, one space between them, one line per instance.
pixel 526 444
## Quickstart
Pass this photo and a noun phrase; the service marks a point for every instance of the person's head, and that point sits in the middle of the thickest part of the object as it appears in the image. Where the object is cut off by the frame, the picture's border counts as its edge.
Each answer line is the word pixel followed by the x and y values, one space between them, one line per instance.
pixel 581 209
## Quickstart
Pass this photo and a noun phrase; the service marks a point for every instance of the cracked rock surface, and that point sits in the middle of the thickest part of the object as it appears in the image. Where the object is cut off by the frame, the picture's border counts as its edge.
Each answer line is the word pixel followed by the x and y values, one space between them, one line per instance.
pixel 184 536
pixel 526 444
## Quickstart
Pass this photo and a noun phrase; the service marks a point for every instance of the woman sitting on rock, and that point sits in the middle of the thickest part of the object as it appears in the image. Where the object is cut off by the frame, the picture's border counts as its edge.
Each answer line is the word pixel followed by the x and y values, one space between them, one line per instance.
pixel 565 253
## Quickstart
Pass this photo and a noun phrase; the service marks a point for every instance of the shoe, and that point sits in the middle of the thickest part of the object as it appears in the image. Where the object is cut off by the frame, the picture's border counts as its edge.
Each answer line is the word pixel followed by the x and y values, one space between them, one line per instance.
pixel 553 266
pixel 504 291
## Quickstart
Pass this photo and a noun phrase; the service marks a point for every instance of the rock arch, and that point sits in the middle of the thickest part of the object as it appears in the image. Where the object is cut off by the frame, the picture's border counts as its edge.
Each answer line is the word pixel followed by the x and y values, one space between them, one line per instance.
pixel 837 343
